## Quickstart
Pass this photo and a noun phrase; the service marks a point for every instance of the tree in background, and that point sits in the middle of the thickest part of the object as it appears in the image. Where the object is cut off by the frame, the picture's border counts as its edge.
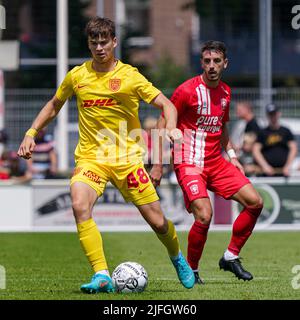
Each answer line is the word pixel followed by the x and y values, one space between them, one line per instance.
pixel 167 74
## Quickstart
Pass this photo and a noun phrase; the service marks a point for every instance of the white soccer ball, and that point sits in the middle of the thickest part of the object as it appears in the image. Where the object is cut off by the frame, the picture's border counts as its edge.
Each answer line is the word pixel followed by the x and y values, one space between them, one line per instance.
pixel 130 277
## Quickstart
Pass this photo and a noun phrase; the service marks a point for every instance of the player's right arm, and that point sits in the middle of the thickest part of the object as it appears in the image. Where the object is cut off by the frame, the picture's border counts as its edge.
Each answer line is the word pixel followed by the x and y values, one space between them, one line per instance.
pixel 45 116
pixel 178 99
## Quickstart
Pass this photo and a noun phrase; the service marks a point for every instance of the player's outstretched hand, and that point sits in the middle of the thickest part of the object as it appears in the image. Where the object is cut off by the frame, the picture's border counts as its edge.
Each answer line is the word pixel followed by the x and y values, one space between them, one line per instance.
pixel 156 173
pixel 26 147
pixel 237 164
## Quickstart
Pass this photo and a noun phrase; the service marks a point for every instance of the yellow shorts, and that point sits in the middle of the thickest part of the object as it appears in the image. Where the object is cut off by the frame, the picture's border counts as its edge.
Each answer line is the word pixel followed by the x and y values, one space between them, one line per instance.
pixel 131 180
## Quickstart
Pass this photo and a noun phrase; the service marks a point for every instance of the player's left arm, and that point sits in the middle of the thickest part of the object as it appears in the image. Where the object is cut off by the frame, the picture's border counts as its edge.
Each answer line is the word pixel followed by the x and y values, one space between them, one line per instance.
pixel 170 115
pixel 228 147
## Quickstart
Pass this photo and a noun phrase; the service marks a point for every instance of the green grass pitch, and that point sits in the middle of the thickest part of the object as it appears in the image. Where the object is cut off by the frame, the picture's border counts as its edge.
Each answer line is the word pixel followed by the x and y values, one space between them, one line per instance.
pixel 52 266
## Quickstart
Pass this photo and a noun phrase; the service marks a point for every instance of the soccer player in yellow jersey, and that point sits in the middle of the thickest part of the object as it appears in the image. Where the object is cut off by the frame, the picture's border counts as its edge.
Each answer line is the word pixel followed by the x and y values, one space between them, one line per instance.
pixel 108 94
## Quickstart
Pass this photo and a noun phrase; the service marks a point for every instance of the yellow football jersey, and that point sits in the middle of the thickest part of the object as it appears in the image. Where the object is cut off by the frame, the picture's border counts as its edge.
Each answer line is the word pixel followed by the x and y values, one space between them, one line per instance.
pixel 108 104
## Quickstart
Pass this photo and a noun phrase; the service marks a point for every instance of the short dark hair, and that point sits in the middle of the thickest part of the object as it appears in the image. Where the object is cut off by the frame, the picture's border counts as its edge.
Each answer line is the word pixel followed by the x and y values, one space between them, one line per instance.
pixel 103 27
pixel 215 46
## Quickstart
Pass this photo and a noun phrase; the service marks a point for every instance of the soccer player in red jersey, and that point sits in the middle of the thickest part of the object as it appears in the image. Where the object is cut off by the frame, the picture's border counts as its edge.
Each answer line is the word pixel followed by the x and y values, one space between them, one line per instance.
pixel 203 111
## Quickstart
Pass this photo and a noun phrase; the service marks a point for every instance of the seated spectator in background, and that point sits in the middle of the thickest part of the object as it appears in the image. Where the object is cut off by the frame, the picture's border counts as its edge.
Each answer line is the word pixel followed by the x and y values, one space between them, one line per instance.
pixel 246 155
pixel 13 168
pixel 275 148
pixel 43 163
pixel 18 170
pixel 244 111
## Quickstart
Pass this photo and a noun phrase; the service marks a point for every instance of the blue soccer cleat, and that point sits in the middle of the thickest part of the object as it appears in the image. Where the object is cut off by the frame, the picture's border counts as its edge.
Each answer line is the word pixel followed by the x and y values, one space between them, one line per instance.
pixel 99 283
pixel 184 271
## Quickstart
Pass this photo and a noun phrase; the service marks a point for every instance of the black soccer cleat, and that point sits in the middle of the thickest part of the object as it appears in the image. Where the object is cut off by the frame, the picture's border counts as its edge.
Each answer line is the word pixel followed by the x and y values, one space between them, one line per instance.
pixel 236 268
pixel 198 280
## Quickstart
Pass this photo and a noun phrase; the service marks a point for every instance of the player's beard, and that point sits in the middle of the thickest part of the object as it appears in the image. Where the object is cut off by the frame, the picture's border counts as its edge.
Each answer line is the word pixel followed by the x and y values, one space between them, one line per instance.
pixel 213 77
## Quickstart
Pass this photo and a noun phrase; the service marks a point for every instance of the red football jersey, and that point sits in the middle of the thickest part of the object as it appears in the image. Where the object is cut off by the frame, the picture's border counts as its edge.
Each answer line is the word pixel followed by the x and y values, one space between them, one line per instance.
pixel 202 111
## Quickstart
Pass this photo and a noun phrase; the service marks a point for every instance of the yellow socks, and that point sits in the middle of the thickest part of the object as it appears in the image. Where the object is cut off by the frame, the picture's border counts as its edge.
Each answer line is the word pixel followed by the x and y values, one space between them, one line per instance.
pixel 170 240
pixel 91 242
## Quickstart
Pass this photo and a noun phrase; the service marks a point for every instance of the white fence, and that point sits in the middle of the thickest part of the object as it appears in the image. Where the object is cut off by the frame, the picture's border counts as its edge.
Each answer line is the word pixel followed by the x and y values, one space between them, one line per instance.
pixel 46 206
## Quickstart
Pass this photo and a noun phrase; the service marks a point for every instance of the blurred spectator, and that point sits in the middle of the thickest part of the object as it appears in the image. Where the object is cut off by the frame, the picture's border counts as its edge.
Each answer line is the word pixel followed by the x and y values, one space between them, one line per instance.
pixel 248 123
pixel 13 168
pixel 3 141
pixel 18 170
pixel 246 155
pixel 276 148
pixel 4 166
pixel 43 164
pixel 244 111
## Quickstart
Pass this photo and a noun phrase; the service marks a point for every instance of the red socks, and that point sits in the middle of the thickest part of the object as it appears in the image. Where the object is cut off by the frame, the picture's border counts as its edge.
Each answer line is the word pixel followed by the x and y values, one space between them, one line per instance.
pixel 241 231
pixel 196 241
pixel 242 228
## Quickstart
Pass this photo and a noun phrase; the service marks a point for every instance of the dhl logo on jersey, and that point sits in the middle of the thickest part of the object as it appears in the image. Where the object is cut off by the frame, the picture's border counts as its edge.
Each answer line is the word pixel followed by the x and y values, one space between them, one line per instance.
pixel 99 103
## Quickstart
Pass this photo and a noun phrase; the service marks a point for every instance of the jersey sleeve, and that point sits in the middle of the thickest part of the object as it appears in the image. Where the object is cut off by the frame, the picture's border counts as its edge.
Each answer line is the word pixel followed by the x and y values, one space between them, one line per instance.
pixel 144 88
pixel 65 90
pixel 226 113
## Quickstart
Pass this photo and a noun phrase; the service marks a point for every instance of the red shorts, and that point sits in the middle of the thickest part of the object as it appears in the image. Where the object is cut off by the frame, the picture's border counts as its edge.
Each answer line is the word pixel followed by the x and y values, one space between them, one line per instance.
pixel 221 177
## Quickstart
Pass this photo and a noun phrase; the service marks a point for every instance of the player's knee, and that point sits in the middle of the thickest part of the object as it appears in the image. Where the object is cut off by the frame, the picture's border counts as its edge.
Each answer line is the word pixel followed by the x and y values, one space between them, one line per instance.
pixel 259 202
pixel 159 228
pixel 81 209
pixel 256 206
pixel 250 198
pixel 204 218
pixel 202 213
pixel 255 201
pixel 159 224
